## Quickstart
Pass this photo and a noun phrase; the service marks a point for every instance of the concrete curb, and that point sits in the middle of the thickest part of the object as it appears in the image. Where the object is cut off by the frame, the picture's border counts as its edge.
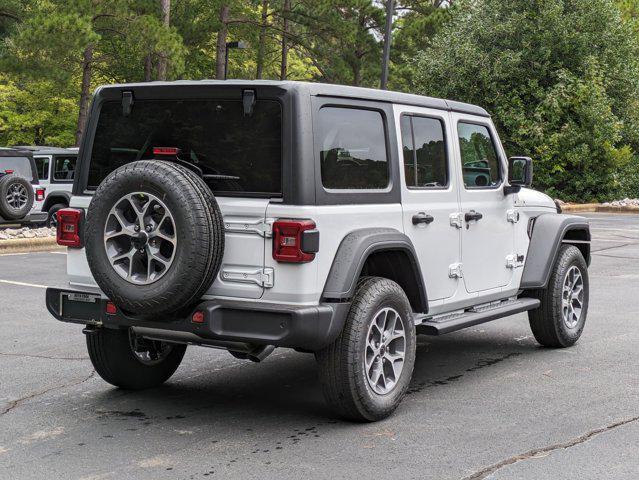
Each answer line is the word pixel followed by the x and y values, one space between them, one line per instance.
pixel 597 207
pixel 23 245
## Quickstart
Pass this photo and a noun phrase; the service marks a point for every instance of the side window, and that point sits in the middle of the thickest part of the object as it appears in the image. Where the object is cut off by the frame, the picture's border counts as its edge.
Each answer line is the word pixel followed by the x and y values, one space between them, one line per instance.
pixel 352 146
pixel 424 151
pixel 480 163
pixel 64 168
pixel 42 165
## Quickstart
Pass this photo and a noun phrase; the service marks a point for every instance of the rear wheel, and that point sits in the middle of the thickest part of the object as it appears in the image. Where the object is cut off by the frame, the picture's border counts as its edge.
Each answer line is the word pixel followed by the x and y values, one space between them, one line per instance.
pixel 560 320
pixel 128 361
pixel 52 218
pixel 365 372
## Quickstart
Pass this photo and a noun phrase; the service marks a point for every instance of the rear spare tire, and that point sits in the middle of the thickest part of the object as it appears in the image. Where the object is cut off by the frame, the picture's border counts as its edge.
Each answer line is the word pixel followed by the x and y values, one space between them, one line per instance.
pixel 16 197
pixel 154 237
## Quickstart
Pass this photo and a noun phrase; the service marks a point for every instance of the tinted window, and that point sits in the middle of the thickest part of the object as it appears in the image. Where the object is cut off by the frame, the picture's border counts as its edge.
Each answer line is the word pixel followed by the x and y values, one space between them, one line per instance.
pixel 64 168
pixel 424 152
pixel 42 165
pixel 352 146
pixel 244 152
pixel 19 165
pixel 480 163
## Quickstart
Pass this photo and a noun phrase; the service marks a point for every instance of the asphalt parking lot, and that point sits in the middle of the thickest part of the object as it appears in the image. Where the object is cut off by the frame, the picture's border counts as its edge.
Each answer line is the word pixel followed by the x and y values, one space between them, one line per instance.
pixel 487 402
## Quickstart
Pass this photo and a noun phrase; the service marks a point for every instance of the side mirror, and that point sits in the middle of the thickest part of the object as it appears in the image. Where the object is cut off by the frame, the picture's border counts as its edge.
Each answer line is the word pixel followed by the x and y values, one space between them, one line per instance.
pixel 520 172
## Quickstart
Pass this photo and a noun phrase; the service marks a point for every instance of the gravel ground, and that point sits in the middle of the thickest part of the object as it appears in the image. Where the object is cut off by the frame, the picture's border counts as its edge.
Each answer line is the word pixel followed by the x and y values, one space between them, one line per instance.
pixel 26 232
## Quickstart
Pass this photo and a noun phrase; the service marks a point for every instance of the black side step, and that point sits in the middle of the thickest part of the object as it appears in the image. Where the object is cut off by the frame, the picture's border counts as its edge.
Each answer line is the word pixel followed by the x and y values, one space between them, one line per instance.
pixel 452 323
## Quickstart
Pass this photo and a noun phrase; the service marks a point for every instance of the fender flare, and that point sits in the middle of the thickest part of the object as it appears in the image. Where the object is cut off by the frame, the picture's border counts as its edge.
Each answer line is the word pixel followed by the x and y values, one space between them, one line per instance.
pixel 49 202
pixel 548 233
pixel 353 252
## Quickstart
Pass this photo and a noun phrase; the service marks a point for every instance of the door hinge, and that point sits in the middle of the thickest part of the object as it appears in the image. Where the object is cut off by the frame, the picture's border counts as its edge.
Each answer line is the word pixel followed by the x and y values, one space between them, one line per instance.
pixel 261 227
pixel 455 270
pixel 456 219
pixel 514 261
pixel 264 277
pixel 512 216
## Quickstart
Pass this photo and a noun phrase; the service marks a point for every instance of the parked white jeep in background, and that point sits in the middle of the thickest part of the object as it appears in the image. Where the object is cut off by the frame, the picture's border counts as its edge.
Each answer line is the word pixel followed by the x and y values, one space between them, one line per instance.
pixel 334 220
pixel 56 170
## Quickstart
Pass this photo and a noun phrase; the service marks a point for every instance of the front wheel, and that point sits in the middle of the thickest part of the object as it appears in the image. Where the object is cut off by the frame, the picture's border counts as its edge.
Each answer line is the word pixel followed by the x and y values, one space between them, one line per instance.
pixel 365 372
pixel 131 362
pixel 561 318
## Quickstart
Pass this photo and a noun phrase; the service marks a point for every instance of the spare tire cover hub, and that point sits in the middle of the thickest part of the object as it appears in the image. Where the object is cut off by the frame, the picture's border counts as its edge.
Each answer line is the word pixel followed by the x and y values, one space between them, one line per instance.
pixel 140 238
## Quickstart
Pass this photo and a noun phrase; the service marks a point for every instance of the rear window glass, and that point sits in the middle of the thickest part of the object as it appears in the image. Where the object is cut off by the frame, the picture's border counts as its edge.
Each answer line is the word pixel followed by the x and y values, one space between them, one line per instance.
pixel 42 165
pixel 352 146
pixel 19 165
pixel 237 153
pixel 64 168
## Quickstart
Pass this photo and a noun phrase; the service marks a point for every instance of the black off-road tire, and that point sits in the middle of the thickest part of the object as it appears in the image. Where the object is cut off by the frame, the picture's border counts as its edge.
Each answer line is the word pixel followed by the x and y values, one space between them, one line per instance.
pixel 341 364
pixel 199 230
pixel 8 211
pixel 546 322
pixel 114 360
pixel 52 214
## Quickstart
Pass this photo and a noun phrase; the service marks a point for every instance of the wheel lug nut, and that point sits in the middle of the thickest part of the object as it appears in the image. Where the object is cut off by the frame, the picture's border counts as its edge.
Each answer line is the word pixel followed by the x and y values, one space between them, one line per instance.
pixel 149 228
pixel 136 228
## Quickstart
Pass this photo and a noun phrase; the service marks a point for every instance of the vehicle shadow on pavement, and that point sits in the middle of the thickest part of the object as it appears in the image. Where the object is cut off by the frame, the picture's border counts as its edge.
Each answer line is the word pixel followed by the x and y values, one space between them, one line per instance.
pixel 285 386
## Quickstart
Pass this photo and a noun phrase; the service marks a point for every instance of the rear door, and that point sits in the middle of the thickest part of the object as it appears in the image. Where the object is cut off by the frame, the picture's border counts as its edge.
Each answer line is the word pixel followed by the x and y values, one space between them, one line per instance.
pixel 429 196
pixel 239 154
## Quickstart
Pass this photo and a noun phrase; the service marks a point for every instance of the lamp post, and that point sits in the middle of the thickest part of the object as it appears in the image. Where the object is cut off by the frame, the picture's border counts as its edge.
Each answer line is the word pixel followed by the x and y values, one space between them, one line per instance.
pixel 390 10
pixel 241 45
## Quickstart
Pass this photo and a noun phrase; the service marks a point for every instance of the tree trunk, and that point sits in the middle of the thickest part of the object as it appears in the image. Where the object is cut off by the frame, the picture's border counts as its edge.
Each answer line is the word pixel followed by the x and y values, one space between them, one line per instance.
pixel 148 68
pixel 85 93
pixel 220 50
pixel 262 40
pixel 166 20
pixel 357 74
pixel 284 66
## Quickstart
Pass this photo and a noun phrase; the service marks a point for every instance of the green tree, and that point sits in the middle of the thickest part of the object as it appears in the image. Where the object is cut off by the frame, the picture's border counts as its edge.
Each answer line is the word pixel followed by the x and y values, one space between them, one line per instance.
pixel 561 78
pixel 35 112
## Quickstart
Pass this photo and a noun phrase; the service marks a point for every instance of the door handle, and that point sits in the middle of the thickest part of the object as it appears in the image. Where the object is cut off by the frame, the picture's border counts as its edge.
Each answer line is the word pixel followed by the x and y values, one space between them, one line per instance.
pixel 422 217
pixel 473 215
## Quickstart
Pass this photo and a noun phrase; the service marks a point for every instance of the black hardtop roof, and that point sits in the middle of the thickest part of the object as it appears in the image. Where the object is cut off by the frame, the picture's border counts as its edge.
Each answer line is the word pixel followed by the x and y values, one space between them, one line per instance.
pixel 45 150
pixel 14 152
pixel 323 89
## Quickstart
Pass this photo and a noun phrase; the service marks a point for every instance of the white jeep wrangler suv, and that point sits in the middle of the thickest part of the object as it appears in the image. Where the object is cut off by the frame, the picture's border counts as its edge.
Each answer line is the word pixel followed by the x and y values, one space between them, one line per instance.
pixel 334 220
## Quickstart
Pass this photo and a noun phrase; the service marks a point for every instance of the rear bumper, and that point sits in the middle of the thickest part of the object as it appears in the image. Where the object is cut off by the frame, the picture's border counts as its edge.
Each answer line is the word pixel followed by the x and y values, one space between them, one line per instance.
pixel 33 217
pixel 225 323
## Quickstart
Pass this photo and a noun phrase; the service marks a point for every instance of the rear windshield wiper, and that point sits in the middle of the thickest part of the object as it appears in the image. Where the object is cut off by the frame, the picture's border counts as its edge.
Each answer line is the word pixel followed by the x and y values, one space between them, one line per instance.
pixel 219 177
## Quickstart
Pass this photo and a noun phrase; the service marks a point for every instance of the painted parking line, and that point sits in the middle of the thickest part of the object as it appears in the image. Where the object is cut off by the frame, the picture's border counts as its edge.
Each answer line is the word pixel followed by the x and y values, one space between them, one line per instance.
pixel 56 252
pixel 23 284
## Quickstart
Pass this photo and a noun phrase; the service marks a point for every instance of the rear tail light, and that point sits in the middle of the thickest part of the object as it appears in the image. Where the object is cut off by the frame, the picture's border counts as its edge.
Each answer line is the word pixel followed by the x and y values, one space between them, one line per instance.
pixel 8 172
pixel 295 241
pixel 110 308
pixel 40 194
pixel 166 150
pixel 69 226
pixel 197 317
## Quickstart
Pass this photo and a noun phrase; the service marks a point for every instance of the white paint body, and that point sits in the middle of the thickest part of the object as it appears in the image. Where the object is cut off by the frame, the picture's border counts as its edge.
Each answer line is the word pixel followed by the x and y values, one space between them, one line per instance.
pixel 481 249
